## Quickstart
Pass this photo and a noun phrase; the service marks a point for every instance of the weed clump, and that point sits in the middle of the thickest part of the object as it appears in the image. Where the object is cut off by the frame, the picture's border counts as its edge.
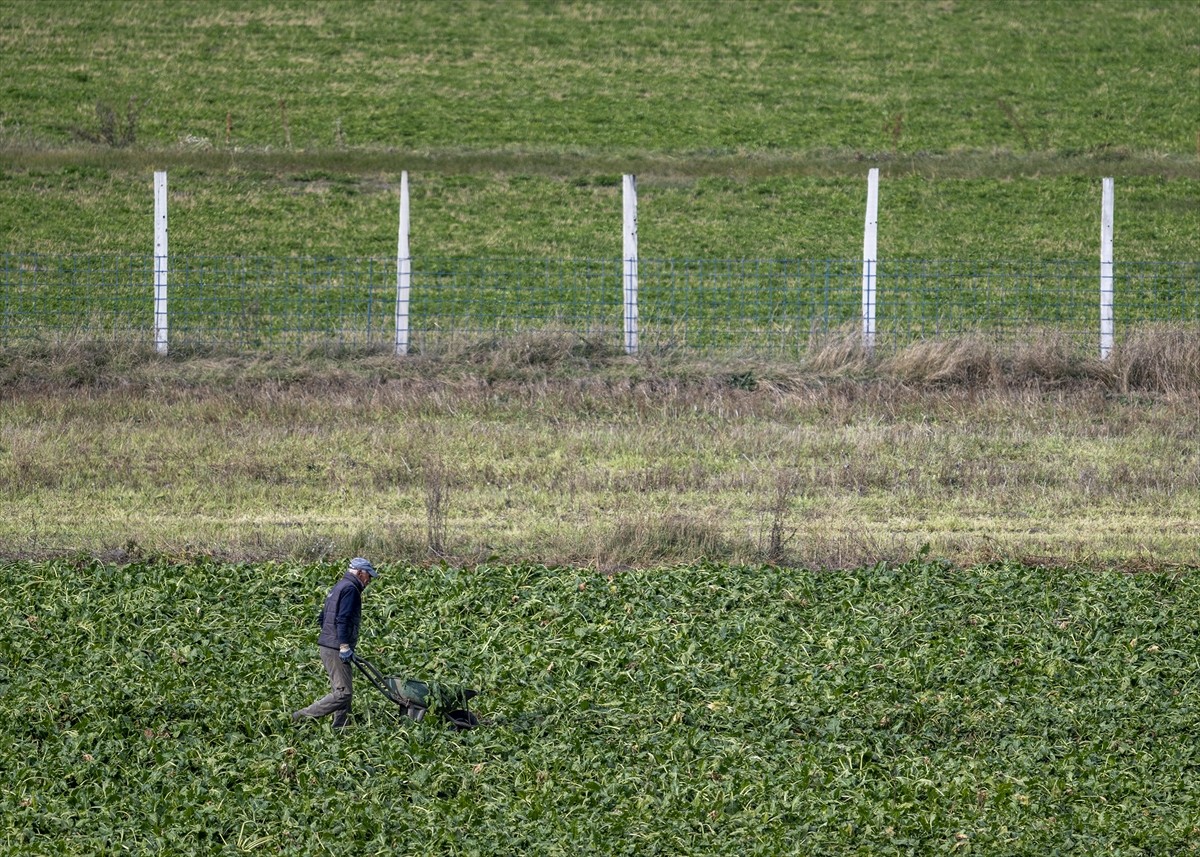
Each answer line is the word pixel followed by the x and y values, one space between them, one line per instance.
pixel 535 354
pixel 652 540
pixel 969 362
pixel 1162 359
pixel 112 129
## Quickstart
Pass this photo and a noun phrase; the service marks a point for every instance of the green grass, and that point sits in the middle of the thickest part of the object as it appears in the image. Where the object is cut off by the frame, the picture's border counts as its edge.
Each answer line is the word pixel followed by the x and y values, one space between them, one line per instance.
pixel 97 209
pixel 751 127
pixel 678 77
pixel 698 709
pixel 752 133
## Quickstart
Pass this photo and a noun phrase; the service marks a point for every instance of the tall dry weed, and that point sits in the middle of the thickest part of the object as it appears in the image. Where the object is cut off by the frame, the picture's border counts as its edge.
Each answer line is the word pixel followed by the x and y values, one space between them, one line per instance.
pixel 778 531
pixel 671 537
pixel 1161 359
pixel 970 362
pixel 841 353
pixel 437 506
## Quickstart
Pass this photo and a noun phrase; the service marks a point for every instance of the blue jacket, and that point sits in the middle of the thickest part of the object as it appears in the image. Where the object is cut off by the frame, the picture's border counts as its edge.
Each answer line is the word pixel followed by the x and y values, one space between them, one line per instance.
pixel 342 614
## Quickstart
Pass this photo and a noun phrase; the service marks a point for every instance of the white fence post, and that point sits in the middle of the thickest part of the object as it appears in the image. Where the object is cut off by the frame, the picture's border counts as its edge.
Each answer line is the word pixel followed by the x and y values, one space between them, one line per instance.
pixel 630 263
pixel 1106 269
pixel 403 271
pixel 160 262
pixel 870 260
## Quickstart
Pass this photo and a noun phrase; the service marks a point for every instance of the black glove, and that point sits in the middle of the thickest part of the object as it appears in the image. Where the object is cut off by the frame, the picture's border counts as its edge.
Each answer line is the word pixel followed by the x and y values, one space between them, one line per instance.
pixel 346 654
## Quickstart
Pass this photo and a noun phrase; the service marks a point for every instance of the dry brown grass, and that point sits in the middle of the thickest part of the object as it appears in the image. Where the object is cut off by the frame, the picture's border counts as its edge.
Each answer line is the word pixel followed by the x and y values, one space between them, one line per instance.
pixel 1161 359
pixel 555 449
pixel 550 351
pixel 842 354
pixel 970 363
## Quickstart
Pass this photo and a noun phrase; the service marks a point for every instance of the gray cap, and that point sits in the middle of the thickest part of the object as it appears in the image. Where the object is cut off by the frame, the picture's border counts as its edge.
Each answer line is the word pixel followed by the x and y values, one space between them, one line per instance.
pixel 360 564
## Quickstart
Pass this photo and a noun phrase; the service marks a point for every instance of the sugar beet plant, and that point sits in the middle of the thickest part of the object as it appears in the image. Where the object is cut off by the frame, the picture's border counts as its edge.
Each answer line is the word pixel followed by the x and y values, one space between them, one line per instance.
pixel 702 709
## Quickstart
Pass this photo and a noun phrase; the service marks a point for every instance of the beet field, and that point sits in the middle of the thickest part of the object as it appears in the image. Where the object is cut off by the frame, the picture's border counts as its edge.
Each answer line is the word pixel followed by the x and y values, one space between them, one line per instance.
pixel 699 709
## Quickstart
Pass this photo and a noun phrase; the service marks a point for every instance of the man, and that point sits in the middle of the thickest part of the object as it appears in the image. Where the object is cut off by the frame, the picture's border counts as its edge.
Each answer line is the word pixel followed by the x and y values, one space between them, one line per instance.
pixel 339 620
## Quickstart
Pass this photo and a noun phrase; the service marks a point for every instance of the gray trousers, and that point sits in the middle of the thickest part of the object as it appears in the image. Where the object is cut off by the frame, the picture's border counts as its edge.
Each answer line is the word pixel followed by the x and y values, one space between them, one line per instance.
pixel 337 701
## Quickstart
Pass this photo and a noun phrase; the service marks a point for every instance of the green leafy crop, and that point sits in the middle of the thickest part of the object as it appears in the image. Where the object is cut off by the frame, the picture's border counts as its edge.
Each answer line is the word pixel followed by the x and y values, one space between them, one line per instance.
pixel 702 709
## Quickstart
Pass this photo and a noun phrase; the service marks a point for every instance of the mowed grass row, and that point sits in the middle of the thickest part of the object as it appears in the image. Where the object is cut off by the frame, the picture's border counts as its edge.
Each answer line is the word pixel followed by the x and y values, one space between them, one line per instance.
pixel 673 76
pixel 707 709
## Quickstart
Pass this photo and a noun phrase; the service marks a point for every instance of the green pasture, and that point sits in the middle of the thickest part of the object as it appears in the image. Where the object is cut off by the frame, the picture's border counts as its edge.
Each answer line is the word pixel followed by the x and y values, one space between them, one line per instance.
pixel 88 209
pixel 669 76
pixel 284 128
pixel 701 709
pixel 753 127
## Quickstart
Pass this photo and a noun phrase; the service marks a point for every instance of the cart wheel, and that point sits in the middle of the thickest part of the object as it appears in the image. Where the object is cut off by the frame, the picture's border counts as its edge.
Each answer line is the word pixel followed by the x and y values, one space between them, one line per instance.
pixel 461 719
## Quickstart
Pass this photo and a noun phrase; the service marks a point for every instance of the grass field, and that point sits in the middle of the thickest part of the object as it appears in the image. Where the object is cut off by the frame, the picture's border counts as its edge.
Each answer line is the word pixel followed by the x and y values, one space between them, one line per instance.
pixel 100 209
pixel 565 451
pixel 913 709
pixel 751 128
pixel 667 77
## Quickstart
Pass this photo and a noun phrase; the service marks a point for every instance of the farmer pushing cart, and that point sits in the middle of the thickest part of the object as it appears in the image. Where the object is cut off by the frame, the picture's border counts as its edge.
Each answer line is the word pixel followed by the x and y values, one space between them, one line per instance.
pixel 340 618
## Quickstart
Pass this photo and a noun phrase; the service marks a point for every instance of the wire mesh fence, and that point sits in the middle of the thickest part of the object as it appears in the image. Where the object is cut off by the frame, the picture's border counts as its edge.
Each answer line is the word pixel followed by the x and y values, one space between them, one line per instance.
pixel 479 298
pixel 769 306
pixel 272 303
pixel 775 307
pixel 75 297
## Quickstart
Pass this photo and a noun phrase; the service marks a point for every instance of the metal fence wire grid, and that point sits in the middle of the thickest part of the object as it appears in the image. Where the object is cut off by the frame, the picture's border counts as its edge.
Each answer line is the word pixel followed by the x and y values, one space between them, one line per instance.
pixel 767 307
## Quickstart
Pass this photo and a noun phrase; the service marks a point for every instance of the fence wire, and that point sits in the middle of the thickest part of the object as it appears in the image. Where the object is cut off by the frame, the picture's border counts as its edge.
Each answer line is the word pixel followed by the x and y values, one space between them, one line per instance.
pixel 776 307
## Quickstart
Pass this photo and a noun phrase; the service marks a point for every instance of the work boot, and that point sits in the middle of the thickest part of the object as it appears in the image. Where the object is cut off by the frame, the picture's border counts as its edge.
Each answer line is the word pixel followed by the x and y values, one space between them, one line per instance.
pixel 341 720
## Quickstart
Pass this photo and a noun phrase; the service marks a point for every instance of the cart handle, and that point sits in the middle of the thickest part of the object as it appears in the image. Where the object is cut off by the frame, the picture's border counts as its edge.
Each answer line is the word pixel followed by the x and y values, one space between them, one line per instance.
pixel 376 678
